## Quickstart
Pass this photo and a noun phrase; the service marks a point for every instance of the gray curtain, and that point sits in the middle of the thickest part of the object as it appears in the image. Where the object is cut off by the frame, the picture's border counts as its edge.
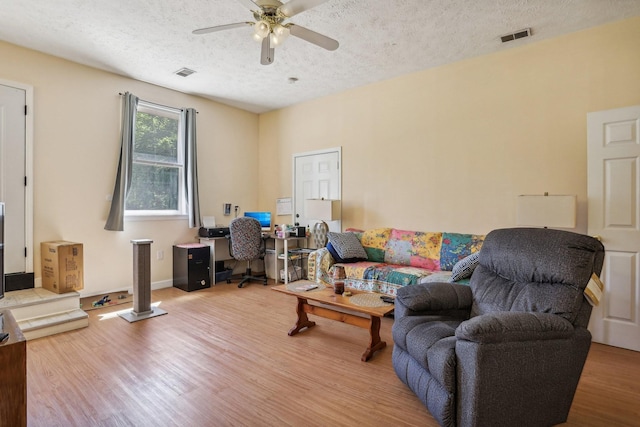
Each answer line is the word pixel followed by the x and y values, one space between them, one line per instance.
pixel 191 167
pixel 115 221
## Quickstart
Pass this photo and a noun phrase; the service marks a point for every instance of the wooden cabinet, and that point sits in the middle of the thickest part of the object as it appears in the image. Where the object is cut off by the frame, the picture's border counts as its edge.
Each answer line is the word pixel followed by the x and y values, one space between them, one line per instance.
pixel 13 374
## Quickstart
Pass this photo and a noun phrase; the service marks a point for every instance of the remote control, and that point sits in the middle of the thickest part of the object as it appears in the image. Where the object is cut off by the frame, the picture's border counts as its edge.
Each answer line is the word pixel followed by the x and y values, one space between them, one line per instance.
pixel 388 299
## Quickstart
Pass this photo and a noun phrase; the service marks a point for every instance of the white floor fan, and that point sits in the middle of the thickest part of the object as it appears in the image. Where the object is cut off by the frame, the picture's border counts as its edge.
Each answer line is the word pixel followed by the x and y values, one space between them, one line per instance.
pixel 272 28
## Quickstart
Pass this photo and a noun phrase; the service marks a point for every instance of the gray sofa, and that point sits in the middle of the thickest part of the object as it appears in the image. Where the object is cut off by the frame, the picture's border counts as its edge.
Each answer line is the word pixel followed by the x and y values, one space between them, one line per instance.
pixel 507 350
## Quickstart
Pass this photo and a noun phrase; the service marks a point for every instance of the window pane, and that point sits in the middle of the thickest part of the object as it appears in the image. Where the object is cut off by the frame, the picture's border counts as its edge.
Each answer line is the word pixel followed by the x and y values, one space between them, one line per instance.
pixel 153 188
pixel 156 138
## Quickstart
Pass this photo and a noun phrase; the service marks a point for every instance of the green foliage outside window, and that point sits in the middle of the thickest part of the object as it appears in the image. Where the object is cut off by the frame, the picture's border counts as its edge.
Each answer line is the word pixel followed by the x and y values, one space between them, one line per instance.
pixel 155 174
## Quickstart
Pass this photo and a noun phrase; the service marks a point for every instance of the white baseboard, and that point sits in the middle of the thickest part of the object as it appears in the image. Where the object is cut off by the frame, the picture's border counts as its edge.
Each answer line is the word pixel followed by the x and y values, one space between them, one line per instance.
pixel 160 285
pixel 37 283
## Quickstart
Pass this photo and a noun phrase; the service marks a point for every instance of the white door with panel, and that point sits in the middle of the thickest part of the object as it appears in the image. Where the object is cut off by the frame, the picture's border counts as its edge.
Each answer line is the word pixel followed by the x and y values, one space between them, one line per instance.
pixel 12 176
pixel 614 214
pixel 316 175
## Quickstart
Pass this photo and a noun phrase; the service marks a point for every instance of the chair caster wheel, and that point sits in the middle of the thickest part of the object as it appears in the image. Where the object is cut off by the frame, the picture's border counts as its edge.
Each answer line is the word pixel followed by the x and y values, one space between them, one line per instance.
pixel 240 285
pixel 228 281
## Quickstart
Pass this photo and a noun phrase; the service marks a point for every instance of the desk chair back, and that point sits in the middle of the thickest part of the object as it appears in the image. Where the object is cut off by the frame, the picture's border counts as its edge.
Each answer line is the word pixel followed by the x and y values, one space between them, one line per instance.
pixel 246 239
pixel 247 244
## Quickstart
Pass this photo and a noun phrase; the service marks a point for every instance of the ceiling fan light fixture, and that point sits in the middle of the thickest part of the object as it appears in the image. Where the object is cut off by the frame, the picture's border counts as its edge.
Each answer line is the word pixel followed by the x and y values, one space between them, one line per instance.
pixel 271 26
pixel 261 29
pixel 279 34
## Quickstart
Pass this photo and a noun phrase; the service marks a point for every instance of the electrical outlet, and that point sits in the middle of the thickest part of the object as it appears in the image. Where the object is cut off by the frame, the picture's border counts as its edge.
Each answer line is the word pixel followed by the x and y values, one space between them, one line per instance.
pixel 160 255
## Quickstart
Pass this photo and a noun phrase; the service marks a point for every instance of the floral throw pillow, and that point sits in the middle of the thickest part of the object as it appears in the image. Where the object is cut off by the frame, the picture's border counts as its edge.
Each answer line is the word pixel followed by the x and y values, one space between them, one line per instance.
pixel 347 245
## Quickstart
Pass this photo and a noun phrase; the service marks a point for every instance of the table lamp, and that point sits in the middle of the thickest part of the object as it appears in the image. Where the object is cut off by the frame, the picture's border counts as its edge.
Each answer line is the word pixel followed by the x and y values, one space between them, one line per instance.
pixel 322 210
pixel 546 211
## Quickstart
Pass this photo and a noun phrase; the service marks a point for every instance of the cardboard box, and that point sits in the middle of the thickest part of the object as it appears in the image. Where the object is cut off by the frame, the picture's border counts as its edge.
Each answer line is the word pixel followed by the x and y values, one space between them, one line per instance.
pixel 294 273
pixel 62 266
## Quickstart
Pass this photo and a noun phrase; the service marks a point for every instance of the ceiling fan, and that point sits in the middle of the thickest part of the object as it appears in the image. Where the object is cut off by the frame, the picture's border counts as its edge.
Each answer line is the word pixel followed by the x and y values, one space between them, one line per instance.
pixel 271 28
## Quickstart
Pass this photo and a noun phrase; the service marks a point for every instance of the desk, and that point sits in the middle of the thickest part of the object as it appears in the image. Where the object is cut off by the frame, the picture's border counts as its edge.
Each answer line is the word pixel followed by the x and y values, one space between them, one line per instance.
pixel 219 252
pixel 281 246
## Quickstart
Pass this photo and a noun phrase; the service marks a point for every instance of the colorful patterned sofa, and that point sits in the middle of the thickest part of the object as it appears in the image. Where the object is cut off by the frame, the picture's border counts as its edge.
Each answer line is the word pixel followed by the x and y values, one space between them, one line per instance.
pixel 398 258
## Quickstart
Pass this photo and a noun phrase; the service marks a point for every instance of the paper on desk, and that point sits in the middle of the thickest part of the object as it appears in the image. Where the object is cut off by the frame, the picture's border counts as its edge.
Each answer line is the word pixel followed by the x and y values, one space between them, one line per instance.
pixel 209 221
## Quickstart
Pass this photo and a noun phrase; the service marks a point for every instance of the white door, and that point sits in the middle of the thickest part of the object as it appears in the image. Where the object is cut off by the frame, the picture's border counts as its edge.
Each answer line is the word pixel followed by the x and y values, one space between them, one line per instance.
pixel 12 176
pixel 316 175
pixel 614 214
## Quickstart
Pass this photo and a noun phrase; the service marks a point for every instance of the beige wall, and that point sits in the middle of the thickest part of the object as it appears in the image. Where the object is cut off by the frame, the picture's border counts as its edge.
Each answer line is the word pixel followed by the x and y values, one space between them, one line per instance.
pixel 76 148
pixel 445 149
pixel 451 148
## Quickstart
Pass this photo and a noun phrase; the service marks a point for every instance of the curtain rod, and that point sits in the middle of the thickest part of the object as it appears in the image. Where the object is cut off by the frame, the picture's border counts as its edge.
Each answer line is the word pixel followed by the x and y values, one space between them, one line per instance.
pixel 159 105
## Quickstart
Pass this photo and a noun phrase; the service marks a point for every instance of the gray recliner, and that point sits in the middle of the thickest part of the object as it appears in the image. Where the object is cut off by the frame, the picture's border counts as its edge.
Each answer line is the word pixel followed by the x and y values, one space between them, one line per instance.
pixel 507 350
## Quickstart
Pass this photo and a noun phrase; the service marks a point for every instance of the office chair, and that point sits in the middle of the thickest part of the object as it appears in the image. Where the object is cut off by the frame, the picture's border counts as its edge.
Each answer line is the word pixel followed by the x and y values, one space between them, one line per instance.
pixel 247 244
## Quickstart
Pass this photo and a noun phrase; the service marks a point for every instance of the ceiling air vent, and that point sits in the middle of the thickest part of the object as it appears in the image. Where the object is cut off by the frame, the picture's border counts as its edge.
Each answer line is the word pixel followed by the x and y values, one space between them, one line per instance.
pixel 517 35
pixel 184 72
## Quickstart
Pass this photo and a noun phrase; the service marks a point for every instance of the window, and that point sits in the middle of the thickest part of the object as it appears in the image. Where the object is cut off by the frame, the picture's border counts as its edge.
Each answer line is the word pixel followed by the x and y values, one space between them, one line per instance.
pixel 157 163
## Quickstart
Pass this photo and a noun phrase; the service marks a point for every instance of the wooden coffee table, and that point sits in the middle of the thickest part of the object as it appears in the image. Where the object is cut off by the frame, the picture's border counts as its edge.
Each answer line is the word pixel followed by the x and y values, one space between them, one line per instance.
pixel 330 310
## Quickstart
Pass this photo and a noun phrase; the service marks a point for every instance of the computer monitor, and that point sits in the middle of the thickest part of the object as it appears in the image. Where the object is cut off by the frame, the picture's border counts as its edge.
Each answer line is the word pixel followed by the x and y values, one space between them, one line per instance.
pixel 263 217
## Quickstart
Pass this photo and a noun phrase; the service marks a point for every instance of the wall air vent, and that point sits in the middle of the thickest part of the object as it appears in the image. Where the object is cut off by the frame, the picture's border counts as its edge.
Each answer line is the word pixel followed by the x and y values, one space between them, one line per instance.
pixel 517 35
pixel 184 72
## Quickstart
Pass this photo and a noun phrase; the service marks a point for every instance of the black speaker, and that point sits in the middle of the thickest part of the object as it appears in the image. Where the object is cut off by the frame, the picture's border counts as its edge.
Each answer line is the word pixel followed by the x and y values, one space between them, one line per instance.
pixel 301 231
pixel 191 267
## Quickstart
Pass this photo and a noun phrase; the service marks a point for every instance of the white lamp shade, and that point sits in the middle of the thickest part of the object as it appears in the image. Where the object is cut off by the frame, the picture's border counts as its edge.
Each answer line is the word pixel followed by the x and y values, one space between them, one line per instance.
pixel 279 34
pixel 546 211
pixel 322 209
pixel 261 30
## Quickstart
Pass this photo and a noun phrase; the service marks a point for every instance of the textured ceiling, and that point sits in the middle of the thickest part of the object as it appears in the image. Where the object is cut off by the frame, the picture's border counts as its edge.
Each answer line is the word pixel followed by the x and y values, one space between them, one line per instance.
pixel 150 40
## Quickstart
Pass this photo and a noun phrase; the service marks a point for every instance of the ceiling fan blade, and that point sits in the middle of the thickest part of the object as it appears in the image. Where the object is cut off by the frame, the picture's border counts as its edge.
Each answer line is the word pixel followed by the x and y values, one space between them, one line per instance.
pixel 249 5
pixel 293 7
pixel 221 27
pixel 267 54
pixel 313 37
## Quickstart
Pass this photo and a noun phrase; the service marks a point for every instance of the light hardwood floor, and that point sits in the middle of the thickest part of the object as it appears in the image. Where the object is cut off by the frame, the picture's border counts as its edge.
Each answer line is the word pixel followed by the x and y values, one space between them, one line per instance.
pixel 222 357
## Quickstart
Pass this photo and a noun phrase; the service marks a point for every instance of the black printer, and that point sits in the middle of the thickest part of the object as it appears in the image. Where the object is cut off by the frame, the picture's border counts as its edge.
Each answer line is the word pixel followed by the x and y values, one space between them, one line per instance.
pixel 213 232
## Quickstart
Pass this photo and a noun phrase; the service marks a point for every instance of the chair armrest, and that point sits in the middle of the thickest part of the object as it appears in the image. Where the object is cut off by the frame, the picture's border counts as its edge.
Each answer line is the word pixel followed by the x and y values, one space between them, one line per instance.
pixel 509 326
pixel 434 297
pixel 228 237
